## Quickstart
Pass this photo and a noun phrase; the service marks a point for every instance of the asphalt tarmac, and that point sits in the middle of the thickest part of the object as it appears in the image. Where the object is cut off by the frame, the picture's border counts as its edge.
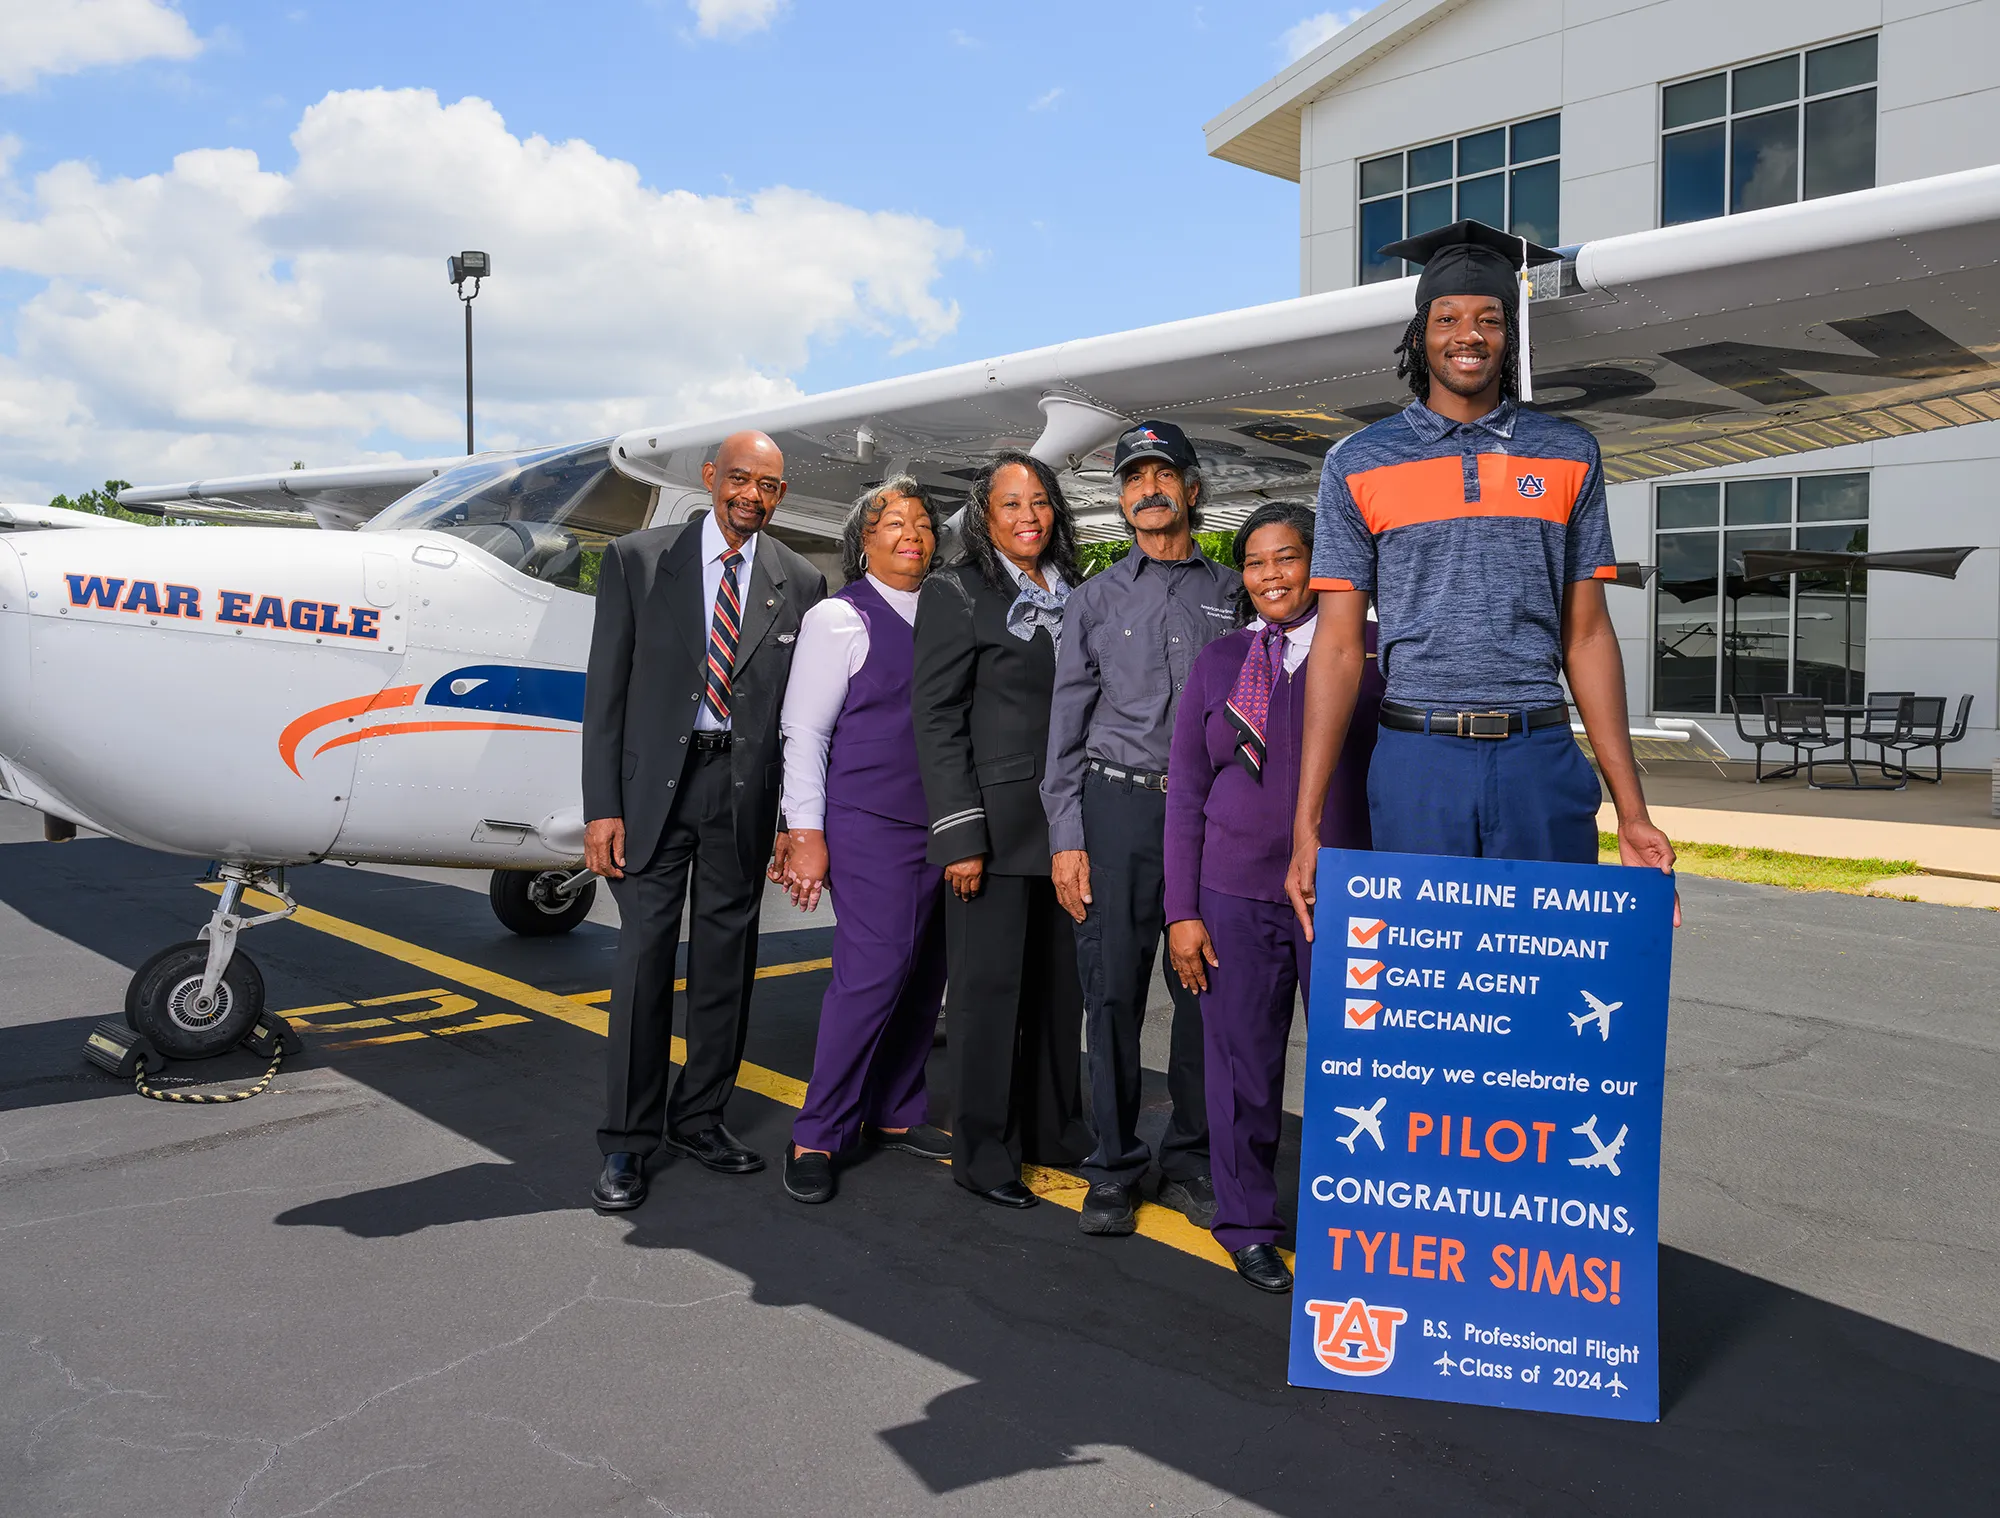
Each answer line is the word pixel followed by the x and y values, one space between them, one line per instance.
pixel 378 1289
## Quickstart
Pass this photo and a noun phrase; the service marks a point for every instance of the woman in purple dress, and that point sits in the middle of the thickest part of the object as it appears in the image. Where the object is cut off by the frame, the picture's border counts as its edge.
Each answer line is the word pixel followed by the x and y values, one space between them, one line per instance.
pixel 857 827
pixel 1233 778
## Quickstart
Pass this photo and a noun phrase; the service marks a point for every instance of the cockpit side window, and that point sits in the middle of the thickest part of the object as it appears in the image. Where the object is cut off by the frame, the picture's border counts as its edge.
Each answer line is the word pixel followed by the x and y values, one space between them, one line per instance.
pixel 548 515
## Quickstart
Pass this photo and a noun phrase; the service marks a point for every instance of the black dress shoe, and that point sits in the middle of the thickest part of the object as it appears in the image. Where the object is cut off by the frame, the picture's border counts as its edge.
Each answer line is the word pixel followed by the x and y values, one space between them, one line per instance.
pixel 1193 1199
pixel 808 1176
pixel 1263 1267
pixel 716 1149
pixel 621 1184
pixel 924 1141
pixel 1110 1210
pixel 1009 1194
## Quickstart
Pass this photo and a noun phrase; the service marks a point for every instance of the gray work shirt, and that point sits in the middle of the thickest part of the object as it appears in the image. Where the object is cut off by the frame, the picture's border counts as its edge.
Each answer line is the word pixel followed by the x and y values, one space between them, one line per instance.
pixel 1130 636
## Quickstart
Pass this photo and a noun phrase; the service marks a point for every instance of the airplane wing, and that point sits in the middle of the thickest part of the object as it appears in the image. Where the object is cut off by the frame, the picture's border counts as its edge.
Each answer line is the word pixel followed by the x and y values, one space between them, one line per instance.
pixel 1847 319
pixel 23 517
pixel 341 498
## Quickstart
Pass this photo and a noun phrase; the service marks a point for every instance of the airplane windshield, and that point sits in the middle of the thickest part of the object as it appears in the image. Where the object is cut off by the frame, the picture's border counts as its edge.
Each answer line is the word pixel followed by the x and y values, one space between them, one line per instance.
pixel 547 514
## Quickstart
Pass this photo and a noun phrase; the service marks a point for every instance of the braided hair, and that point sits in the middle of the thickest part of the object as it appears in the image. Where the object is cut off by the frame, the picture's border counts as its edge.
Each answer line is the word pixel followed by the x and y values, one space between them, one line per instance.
pixel 1413 365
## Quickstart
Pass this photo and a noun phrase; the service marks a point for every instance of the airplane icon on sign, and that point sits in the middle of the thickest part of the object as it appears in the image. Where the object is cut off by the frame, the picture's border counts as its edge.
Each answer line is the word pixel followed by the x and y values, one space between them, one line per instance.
pixel 1366 1120
pixel 1604 1155
pixel 1443 1363
pixel 1599 1013
pixel 1617 1387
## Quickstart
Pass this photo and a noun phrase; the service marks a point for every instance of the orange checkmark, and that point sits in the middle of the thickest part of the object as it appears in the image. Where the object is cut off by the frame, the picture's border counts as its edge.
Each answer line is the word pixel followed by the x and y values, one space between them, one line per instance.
pixel 1361 1016
pixel 1364 935
pixel 1362 974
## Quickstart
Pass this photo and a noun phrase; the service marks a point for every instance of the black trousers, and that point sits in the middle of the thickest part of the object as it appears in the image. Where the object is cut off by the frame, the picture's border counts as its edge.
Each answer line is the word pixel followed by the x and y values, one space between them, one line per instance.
pixel 698 864
pixel 1124 829
pixel 1016 1023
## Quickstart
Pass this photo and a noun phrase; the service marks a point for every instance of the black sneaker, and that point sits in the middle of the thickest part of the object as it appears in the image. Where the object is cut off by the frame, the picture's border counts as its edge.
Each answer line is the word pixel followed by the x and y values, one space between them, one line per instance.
pixel 808 1177
pixel 924 1141
pixel 1194 1199
pixel 1111 1210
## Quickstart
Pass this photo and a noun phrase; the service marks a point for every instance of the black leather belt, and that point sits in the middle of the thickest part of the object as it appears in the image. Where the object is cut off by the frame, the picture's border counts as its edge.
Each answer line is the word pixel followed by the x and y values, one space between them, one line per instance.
pixel 709 743
pixel 1145 780
pixel 1412 719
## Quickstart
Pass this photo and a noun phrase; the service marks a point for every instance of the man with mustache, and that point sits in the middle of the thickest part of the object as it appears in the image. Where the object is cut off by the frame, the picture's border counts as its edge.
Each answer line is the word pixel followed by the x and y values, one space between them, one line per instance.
pixel 692 647
pixel 1130 636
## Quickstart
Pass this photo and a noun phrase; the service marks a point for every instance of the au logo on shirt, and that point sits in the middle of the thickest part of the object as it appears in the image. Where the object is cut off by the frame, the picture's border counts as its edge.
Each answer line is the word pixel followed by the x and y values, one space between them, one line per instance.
pixel 1532 486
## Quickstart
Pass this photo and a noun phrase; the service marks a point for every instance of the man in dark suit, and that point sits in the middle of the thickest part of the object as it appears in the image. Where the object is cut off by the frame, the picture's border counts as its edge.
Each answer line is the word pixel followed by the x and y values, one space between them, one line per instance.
pixel 681 777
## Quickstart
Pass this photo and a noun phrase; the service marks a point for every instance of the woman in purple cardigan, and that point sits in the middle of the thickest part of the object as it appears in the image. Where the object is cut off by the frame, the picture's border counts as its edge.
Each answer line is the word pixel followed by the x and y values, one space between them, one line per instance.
pixel 1233 778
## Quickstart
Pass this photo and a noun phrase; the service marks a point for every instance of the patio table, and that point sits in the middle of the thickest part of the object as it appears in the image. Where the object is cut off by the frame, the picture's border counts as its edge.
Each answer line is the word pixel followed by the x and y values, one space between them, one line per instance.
pixel 1847 715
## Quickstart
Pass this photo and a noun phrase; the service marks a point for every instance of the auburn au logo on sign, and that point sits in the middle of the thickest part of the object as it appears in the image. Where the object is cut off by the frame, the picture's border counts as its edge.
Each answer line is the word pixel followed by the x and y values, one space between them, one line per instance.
pixel 1353 1339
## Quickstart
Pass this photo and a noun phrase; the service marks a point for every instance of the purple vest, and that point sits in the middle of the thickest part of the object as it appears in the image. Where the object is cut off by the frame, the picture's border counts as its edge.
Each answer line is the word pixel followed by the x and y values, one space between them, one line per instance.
pixel 871 763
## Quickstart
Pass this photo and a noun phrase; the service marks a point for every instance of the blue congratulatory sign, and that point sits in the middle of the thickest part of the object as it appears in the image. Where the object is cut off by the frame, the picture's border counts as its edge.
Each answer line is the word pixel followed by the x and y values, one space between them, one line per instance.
pixel 1479 1189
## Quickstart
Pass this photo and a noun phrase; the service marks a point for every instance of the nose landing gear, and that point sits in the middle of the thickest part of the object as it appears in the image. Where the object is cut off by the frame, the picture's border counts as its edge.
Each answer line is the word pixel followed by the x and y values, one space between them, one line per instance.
pixel 200 998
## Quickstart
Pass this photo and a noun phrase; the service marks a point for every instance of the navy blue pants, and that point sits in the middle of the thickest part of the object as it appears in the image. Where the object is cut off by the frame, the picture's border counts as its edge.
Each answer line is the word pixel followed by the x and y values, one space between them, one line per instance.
pixel 1527 796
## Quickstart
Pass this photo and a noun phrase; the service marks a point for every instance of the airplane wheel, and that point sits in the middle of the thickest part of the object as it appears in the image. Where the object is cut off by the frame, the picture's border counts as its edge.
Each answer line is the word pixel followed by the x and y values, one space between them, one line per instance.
pixel 526 902
pixel 160 1002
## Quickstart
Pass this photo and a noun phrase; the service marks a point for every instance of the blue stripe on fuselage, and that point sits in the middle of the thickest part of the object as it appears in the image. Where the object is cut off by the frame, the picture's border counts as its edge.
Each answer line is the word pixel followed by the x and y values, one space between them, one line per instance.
pixel 556 693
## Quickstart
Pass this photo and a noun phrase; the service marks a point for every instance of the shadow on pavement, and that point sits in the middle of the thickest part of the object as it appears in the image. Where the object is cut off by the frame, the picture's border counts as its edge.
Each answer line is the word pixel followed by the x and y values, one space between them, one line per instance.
pixel 1775 1401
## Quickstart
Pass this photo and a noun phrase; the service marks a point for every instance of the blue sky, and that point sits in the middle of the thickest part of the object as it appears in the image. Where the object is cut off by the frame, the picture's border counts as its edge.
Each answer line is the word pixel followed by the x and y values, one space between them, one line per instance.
pixel 1048 158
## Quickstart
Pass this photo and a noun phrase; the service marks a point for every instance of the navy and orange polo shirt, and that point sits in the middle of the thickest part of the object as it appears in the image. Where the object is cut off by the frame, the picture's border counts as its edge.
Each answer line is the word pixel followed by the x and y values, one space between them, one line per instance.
pixel 1467 534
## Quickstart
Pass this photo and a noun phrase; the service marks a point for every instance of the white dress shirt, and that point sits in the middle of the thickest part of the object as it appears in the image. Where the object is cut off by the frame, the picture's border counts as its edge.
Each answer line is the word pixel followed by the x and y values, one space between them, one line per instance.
pixel 832 647
pixel 713 548
pixel 1298 642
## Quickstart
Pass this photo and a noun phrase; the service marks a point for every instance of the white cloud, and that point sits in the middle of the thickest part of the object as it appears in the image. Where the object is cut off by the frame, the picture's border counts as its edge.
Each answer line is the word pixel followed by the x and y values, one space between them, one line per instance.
pixel 40 37
pixel 734 18
pixel 1046 102
pixel 221 316
pixel 1311 32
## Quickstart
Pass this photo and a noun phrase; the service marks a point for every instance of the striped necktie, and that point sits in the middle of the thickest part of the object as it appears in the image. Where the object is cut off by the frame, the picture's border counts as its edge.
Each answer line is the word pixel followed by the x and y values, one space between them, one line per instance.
pixel 723 630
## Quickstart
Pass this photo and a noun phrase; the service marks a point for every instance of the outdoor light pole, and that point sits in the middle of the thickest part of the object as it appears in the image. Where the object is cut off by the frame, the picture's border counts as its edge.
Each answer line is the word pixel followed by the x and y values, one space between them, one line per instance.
pixel 475 267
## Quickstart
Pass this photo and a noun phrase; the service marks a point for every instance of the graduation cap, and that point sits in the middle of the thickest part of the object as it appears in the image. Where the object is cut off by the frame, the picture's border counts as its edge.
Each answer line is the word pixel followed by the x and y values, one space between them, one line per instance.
pixel 1471 258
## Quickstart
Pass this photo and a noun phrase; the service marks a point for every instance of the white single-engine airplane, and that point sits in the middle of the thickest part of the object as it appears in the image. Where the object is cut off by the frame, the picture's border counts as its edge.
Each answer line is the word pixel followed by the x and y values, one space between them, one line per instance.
pixel 1366 1120
pixel 410 692
pixel 1599 1013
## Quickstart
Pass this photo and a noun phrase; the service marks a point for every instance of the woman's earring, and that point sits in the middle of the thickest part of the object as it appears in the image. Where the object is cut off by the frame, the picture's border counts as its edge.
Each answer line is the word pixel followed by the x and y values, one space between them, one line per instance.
pixel 864 559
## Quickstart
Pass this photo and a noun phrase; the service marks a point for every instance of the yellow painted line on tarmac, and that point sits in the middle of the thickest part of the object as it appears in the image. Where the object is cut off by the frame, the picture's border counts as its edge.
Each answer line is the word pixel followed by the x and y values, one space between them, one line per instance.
pixel 1163 1225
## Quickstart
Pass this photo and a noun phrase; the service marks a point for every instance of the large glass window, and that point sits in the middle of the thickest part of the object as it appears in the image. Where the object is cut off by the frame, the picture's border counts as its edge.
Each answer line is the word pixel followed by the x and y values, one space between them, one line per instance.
pixel 1506 176
pixel 1767 134
pixel 1717 634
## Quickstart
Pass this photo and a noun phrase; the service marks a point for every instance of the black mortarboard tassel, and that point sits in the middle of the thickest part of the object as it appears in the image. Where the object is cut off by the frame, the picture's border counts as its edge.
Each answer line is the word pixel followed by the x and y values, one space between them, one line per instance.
pixel 1471 258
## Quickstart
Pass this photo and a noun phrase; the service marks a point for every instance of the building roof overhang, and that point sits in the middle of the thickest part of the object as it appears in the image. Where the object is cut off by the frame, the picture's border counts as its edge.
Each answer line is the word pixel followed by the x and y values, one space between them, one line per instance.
pixel 1261 131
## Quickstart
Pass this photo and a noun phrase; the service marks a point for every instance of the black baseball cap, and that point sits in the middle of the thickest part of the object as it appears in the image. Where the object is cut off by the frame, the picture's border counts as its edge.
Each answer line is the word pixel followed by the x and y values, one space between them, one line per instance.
pixel 1470 258
pixel 1153 440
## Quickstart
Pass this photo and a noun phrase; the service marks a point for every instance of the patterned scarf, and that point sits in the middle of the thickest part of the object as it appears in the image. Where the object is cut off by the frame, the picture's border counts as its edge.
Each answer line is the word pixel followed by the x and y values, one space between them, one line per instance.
pixel 1249 705
pixel 1035 607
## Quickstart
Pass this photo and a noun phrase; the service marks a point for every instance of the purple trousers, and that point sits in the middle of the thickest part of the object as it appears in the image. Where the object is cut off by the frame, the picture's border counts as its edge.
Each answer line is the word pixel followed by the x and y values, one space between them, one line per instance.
pixel 880 1012
pixel 1246 1017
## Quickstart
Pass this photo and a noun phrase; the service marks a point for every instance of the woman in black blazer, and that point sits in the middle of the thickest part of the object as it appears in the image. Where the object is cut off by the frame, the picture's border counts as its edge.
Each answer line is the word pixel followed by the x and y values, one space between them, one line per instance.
pixel 987 628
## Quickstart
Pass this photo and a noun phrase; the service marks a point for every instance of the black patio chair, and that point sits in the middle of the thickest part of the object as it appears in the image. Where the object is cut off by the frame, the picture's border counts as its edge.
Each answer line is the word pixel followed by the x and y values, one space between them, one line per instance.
pixel 1799 722
pixel 1919 725
pixel 1880 723
pixel 1758 739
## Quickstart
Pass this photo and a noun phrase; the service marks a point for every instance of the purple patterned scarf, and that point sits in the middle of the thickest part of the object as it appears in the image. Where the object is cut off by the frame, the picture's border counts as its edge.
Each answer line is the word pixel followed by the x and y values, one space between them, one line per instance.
pixel 1249 705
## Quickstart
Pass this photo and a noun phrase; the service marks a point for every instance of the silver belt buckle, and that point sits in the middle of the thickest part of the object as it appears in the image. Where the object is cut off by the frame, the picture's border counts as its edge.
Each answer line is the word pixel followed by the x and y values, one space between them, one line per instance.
pixel 1484 724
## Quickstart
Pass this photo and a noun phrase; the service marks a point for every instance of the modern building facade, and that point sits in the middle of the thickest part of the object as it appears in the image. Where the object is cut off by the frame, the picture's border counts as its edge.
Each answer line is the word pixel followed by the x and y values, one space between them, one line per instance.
pixel 1570 120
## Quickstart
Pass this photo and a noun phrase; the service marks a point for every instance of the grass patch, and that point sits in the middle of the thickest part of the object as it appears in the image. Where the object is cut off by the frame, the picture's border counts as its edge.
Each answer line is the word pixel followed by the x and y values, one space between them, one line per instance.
pixel 1795 872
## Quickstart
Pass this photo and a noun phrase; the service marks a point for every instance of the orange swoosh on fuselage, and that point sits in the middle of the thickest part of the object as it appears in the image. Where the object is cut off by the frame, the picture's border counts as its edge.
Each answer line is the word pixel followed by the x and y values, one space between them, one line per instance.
pixel 294 733
pixel 387 729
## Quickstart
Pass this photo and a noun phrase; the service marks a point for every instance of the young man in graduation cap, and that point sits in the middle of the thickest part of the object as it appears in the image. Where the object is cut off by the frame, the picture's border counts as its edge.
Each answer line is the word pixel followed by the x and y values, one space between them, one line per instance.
pixel 1478 527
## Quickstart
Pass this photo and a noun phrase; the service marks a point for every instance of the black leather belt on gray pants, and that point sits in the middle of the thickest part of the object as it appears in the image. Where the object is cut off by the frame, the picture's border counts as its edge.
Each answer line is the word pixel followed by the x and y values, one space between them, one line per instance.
pixel 1419 719
pixel 1145 780
pixel 703 741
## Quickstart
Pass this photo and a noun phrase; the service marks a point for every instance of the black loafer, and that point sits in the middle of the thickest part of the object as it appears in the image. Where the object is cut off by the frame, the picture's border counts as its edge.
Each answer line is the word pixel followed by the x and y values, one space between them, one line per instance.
pixel 1193 1199
pixel 621 1184
pixel 924 1141
pixel 808 1176
pixel 1009 1194
pixel 1263 1267
pixel 716 1149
